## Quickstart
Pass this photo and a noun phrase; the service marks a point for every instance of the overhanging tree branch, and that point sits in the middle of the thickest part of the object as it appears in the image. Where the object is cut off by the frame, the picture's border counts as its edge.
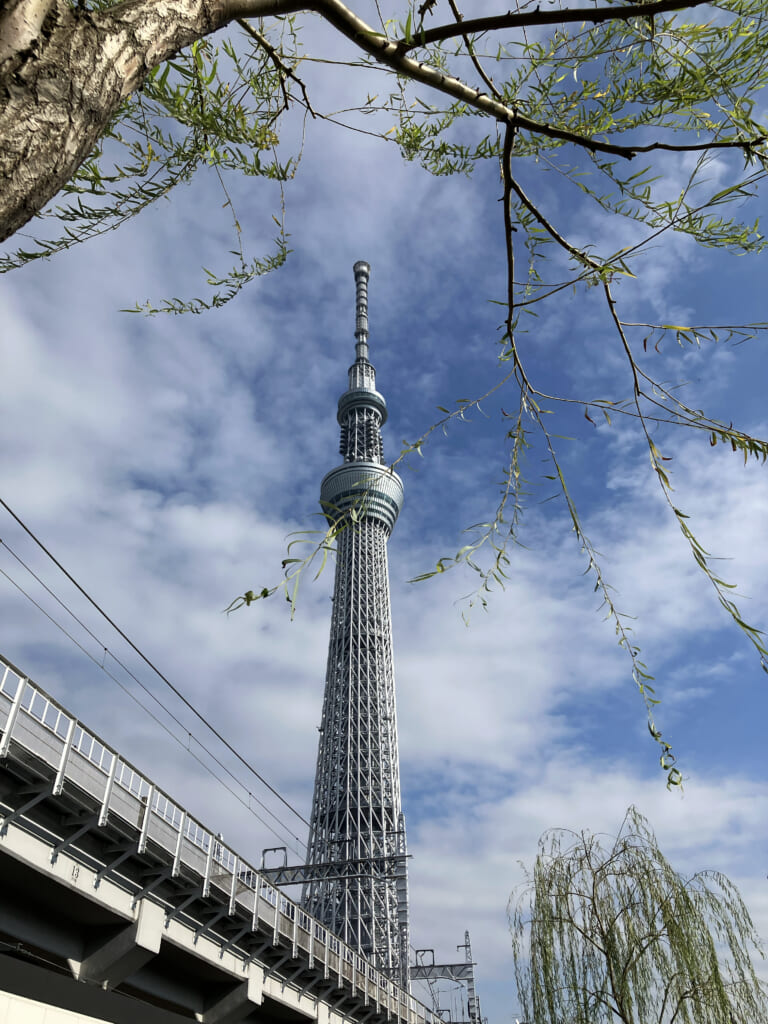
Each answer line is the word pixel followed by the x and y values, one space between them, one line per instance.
pixel 62 94
pixel 471 51
pixel 391 53
pixel 529 19
pixel 96 59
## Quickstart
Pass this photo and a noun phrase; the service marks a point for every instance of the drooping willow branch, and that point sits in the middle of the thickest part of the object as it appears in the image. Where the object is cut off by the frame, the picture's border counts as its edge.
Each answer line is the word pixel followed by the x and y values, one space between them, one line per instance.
pixel 284 70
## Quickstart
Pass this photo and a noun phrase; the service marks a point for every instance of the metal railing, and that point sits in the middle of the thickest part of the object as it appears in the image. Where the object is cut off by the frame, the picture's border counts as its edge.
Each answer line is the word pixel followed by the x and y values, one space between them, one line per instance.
pixel 34 721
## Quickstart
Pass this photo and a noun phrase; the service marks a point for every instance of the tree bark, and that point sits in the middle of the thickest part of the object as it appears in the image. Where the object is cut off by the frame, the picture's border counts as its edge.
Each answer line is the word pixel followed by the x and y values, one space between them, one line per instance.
pixel 65 71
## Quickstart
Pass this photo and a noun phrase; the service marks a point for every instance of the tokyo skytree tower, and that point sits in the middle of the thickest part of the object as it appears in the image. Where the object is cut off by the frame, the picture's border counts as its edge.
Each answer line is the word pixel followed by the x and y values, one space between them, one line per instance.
pixel 356 850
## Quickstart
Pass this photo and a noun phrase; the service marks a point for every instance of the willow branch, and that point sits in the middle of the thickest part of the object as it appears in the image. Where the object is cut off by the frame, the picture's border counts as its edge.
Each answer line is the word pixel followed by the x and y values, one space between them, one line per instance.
pixel 495 23
pixel 743 144
pixel 393 54
pixel 471 51
pixel 390 53
pixel 282 68
pixel 577 254
pixel 506 171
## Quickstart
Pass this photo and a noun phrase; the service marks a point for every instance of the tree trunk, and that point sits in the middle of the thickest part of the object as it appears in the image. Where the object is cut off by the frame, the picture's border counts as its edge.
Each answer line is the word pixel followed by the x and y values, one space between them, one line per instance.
pixel 64 72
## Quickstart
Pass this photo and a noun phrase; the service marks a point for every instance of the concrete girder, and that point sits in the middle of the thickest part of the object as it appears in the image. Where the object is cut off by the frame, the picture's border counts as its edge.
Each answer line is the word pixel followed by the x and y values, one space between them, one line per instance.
pixel 125 953
pixel 238 1003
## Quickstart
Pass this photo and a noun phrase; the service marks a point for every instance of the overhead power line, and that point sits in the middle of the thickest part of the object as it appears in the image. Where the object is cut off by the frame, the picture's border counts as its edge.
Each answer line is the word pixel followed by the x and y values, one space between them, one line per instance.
pixel 161 724
pixel 189 735
pixel 153 667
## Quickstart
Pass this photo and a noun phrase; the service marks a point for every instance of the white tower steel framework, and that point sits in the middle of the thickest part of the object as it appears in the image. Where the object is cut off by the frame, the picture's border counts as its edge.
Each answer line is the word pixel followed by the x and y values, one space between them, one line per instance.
pixel 356 854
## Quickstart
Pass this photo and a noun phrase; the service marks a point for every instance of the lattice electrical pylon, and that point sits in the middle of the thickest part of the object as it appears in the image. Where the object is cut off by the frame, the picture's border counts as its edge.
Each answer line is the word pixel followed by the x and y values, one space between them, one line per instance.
pixel 357 830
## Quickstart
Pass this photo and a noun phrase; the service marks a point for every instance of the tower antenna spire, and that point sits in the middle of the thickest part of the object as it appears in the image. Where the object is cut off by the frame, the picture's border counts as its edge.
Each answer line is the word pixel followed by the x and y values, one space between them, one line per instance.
pixel 362 273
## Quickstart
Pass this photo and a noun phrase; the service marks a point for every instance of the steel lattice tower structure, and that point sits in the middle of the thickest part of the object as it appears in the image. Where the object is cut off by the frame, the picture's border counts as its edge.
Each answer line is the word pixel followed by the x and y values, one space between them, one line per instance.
pixel 357 831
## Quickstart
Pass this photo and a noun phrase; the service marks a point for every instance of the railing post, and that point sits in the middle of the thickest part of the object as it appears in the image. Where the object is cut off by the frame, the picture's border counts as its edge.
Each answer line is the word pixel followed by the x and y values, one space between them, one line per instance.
pixel 58 784
pixel 233 890
pixel 145 824
pixel 104 812
pixel 177 852
pixel 208 863
pixel 256 897
pixel 13 714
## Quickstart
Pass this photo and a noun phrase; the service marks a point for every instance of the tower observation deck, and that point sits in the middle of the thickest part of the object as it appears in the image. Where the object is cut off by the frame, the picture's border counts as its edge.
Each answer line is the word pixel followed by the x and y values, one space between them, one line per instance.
pixel 356 822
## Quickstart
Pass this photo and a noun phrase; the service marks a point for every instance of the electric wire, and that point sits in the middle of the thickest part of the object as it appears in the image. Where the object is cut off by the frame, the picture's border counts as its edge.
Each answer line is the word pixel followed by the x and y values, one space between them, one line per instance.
pixel 146 689
pixel 154 717
pixel 153 667
pixel 19 949
pixel 138 682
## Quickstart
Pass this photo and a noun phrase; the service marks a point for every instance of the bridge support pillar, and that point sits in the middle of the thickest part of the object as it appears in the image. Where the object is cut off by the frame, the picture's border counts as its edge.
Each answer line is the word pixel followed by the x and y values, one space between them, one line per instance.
pixel 326 1014
pixel 125 953
pixel 238 1003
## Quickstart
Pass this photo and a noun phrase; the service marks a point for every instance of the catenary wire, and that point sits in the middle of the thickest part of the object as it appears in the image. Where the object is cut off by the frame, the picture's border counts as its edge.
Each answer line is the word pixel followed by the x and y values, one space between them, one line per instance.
pixel 154 717
pixel 136 679
pixel 151 665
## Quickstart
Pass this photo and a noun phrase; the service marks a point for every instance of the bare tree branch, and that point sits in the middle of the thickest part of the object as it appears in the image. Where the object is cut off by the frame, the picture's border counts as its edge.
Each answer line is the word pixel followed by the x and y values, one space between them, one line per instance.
pixel 495 23
pixel 506 173
pixel 471 51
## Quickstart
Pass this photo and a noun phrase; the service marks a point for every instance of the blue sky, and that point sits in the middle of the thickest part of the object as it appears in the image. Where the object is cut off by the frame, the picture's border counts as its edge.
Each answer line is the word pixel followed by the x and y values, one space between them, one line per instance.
pixel 165 461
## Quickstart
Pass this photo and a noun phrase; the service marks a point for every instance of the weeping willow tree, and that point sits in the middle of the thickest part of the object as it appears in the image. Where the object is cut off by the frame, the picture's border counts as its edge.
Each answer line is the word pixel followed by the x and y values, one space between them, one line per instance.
pixel 608 933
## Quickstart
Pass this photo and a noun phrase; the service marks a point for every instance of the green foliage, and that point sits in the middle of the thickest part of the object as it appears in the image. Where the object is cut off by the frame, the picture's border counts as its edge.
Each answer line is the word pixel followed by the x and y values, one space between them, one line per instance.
pixel 211 110
pixel 317 546
pixel 610 932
